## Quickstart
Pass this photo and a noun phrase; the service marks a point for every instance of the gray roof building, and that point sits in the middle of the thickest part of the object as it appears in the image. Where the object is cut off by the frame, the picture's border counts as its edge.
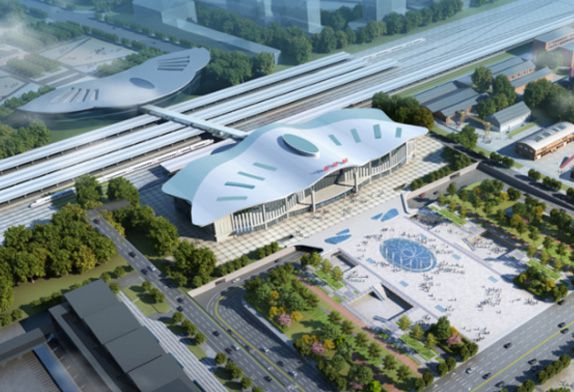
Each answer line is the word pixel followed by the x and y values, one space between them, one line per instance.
pixel 523 81
pixel 163 373
pixel 436 92
pixel 101 326
pixel 91 298
pixel 134 349
pixel 453 102
pixel 511 113
pixel 555 35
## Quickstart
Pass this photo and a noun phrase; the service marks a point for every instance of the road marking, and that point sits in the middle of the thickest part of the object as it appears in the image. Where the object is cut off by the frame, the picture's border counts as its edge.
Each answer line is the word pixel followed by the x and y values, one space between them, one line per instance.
pixel 534 348
pixel 236 334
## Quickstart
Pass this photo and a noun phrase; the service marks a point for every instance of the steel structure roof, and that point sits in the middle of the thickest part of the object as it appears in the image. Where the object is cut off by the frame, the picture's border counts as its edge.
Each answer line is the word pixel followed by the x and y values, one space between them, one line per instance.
pixel 510 113
pixel 547 136
pixel 154 79
pixel 278 160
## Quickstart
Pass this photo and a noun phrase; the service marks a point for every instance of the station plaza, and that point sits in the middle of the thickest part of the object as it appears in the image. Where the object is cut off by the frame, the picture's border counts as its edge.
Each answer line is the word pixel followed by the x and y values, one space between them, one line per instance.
pixel 397 263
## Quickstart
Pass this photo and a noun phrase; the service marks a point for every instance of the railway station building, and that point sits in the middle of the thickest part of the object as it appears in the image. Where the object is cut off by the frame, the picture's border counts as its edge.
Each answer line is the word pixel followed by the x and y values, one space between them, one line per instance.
pixel 282 170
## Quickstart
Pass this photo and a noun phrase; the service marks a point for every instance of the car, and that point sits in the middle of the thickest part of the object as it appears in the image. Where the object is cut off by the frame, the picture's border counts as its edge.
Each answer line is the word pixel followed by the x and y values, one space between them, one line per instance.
pixel 215 333
pixel 268 378
pixel 565 330
pixel 280 363
pixel 236 347
pixel 292 373
pixel 247 348
pixel 180 308
pixel 228 350
pixel 532 361
pixel 499 384
pixel 229 331
pixel 152 268
pixel 507 345
pixel 132 253
pixel 469 370
pixel 561 302
pixel 486 375
pixel 180 300
pixel 561 325
pixel 96 221
pixel 236 280
pixel 144 271
pixel 264 349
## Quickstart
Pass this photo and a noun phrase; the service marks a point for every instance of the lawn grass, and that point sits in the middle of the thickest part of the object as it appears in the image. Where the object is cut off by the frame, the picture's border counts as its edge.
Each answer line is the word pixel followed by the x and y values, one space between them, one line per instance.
pixel 454 218
pixel 27 292
pixel 334 284
pixel 144 301
pixel 521 129
pixel 546 270
pixel 419 347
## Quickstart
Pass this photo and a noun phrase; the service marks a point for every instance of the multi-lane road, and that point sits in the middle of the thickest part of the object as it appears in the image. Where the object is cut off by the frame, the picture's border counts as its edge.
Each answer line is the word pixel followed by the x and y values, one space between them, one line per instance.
pixel 540 339
pixel 256 364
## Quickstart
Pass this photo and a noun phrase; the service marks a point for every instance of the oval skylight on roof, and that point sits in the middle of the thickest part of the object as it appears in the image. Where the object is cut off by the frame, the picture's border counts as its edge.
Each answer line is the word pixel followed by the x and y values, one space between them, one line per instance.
pixel 300 145
pixel 142 83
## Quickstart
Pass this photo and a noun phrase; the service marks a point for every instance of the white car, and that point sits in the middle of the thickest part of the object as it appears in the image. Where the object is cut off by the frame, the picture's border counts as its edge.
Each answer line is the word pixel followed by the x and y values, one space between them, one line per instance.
pixel 469 370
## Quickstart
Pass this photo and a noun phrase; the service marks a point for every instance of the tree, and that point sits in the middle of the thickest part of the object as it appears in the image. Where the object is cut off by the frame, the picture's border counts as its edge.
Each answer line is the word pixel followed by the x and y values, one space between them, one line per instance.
pixel 120 188
pixel 501 86
pixel 417 332
pixel 482 79
pixel 6 294
pixel 467 137
pixel 263 64
pixel 334 317
pixel 441 328
pixel 347 327
pixel 485 108
pixel 534 175
pixel 360 374
pixel 361 340
pixel 537 92
pixel 389 362
pixel 88 191
pixel 177 318
pixel 513 194
pixel 403 373
pixel 246 383
pixel 220 359
pixel 200 338
pixel 404 322
pixel 431 340
pixel 374 350
pixel 337 274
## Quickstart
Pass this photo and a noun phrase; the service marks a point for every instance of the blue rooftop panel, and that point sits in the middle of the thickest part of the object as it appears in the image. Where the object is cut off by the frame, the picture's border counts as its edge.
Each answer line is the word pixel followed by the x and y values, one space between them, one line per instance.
pixel 252 176
pixel 264 166
pixel 377 131
pixel 356 136
pixel 335 140
pixel 231 198
pixel 239 185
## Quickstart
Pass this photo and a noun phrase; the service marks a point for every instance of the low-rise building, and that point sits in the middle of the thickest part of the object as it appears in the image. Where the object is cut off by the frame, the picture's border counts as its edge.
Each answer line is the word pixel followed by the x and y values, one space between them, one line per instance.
pixel 449 100
pixel 521 83
pixel 510 118
pixel 554 39
pixel 546 141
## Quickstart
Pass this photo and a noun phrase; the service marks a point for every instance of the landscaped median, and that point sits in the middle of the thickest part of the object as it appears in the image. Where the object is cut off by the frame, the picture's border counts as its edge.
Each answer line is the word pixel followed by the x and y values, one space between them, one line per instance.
pixel 344 353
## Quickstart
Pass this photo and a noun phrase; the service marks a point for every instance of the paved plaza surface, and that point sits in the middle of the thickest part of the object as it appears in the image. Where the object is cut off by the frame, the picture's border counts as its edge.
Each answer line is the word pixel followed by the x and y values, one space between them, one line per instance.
pixel 436 269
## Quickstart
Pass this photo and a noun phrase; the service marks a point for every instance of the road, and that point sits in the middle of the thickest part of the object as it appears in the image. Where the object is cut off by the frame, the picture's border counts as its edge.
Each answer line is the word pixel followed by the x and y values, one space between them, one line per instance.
pixel 88 19
pixel 253 363
pixel 540 339
pixel 225 303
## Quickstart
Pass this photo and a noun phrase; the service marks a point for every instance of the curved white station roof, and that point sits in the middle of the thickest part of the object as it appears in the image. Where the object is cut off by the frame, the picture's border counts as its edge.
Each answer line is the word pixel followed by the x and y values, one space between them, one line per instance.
pixel 278 160
pixel 152 80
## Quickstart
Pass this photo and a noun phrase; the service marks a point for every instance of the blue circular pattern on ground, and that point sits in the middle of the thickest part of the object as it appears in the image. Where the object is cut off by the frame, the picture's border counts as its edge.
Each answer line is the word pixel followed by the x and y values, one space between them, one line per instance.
pixel 408 255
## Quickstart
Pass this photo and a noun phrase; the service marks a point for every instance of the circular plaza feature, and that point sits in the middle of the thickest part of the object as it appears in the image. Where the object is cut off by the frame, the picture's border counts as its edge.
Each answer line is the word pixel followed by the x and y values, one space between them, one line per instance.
pixel 300 145
pixel 408 255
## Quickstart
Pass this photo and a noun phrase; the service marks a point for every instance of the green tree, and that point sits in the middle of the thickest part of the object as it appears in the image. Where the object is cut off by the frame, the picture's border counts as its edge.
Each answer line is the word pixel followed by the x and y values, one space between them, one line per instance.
pixel 361 340
pixel 482 79
pixel 486 107
pixel 389 362
pixel 337 274
pixel 374 350
pixel 263 64
pixel 403 373
pixel 441 328
pixel 417 332
pixel 335 317
pixel 177 318
pixel 200 338
pixel 431 340
pixel 88 191
pixel 246 383
pixel 404 322
pixel 220 359
pixel 120 188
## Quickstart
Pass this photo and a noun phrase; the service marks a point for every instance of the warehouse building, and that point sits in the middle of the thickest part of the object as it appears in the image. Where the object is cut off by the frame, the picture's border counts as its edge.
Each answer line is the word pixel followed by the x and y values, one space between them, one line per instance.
pixel 510 118
pixel 449 100
pixel 554 39
pixel 521 83
pixel 546 141
pixel 124 354
pixel 283 169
